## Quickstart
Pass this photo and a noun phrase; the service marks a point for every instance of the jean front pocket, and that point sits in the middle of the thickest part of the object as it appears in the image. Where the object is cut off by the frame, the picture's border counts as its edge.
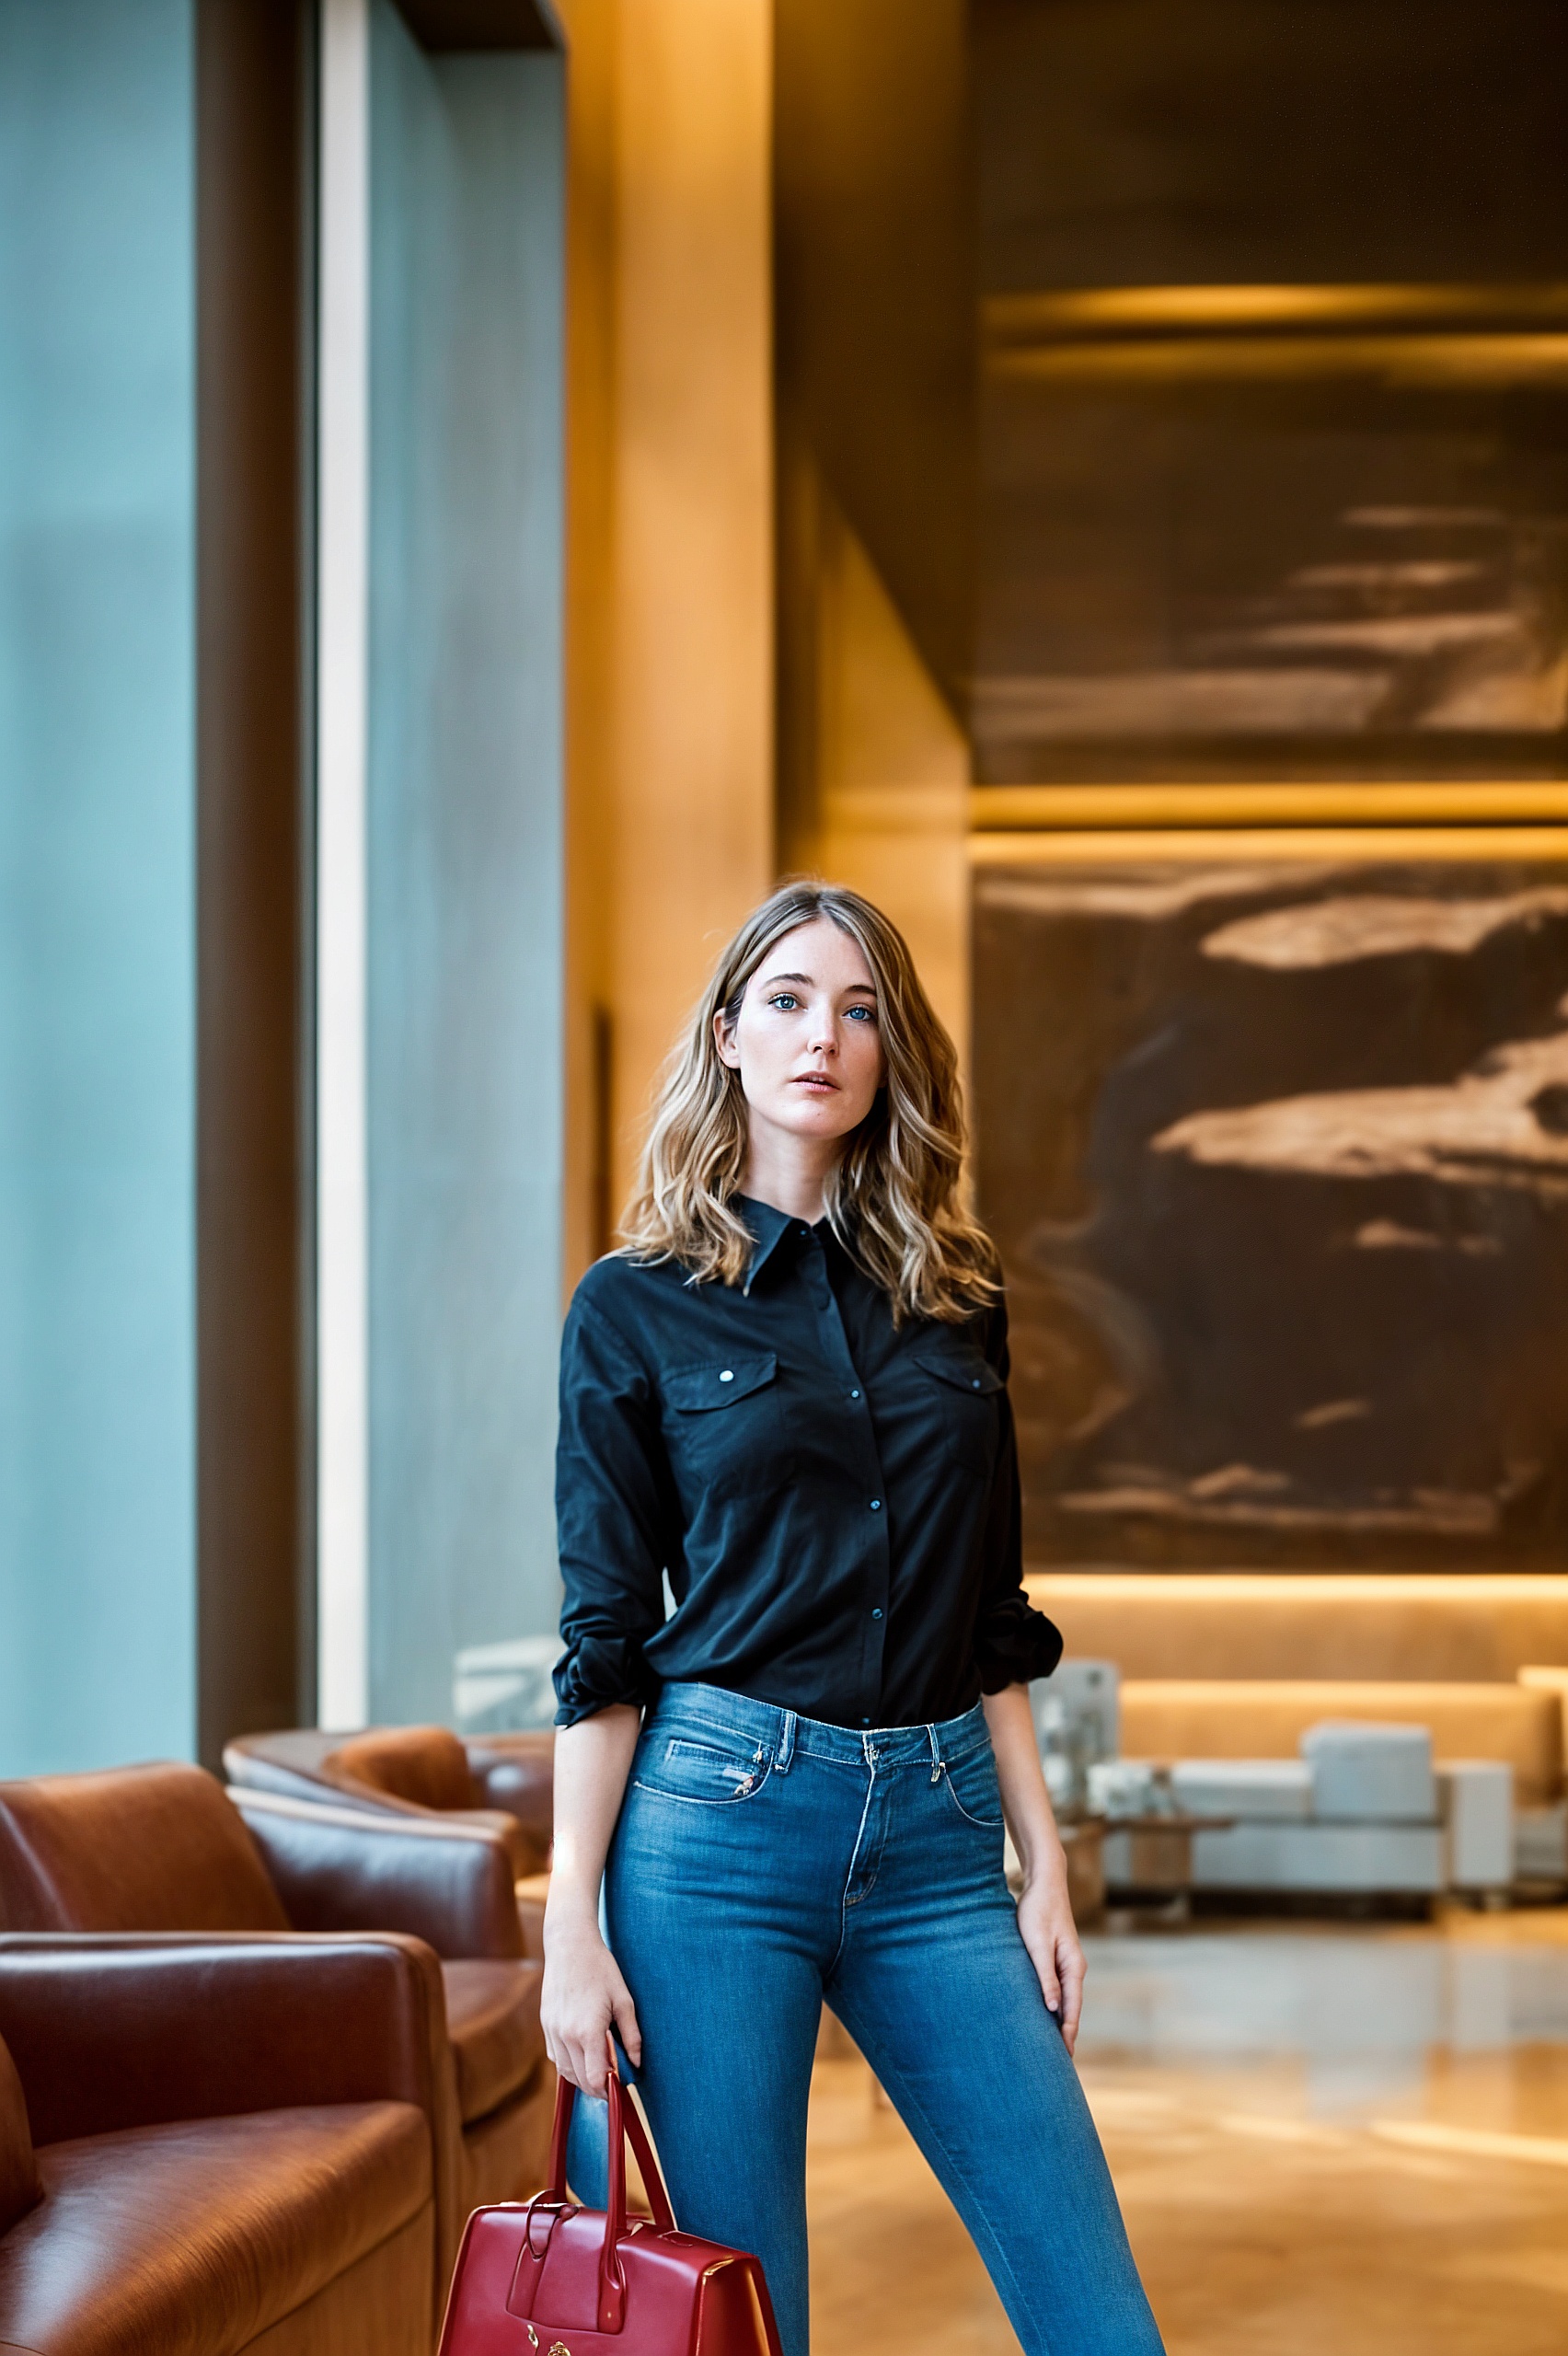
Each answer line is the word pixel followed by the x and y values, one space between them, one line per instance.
pixel 703 1767
pixel 974 1789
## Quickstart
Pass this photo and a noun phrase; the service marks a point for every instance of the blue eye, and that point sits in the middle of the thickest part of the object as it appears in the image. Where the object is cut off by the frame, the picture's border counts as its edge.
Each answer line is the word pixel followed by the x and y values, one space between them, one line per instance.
pixel 867 1013
pixel 785 1000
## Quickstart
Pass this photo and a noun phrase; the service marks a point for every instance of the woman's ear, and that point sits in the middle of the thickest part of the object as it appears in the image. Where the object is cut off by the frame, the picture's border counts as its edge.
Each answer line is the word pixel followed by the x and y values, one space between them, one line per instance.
pixel 725 1041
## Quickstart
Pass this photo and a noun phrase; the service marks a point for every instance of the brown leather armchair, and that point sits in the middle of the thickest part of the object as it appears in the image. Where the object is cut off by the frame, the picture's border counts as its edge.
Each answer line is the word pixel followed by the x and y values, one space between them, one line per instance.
pixel 505 1781
pixel 417 1771
pixel 216 2144
pixel 166 1849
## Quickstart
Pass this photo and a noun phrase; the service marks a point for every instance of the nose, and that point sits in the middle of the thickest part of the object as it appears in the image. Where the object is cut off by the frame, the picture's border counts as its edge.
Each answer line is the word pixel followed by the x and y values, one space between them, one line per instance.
pixel 822 1032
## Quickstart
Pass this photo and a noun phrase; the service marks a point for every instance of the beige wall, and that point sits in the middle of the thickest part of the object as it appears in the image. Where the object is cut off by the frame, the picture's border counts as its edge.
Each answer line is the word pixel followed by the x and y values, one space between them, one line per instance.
pixel 670 564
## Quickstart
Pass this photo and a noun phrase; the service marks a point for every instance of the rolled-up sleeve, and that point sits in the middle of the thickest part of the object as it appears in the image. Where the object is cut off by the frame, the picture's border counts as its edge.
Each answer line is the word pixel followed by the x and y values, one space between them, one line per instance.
pixel 1013 1642
pixel 612 1518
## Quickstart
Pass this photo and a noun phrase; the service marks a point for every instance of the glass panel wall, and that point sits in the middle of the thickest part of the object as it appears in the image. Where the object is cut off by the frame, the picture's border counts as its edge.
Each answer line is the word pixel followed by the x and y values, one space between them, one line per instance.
pixel 97 868
pixel 464 861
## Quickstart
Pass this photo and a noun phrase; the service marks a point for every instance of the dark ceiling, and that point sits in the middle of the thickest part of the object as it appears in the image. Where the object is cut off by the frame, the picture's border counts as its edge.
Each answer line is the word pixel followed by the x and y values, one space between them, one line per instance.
pixel 1195 142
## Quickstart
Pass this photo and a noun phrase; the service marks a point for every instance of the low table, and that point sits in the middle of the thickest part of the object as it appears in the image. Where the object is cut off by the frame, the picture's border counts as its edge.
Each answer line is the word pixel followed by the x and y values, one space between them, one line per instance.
pixel 1152 1855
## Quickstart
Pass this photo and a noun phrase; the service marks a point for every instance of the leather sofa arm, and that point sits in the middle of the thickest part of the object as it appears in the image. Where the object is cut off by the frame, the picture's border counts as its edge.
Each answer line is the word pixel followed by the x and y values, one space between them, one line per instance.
pixel 335 1869
pixel 133 2029
pixel 517 1772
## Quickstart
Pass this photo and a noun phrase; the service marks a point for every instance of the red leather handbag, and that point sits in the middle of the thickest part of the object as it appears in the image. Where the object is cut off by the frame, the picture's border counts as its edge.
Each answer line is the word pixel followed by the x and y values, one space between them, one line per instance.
pixel 546 2275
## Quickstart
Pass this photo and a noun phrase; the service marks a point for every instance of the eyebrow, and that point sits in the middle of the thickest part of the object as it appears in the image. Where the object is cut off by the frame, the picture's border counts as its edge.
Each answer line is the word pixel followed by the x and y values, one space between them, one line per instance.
pixel 866 990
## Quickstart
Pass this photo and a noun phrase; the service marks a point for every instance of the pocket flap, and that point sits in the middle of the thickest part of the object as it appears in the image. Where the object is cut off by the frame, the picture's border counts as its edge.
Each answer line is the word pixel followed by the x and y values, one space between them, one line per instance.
pixel 719 1382
pixel 965 1369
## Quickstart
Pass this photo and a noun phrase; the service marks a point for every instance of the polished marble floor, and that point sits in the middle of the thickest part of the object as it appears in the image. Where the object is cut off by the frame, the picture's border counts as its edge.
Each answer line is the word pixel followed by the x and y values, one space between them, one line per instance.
pixel 1326 2139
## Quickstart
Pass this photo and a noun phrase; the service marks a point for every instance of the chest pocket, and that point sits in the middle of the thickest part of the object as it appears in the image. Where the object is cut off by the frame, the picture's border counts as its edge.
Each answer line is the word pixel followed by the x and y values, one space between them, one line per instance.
pixel 965 1398
pixel 725 1427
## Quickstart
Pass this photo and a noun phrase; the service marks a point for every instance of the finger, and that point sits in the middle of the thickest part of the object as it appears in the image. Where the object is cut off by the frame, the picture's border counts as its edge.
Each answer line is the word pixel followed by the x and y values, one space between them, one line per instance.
pixel 1050 1983
pixel 627 2029
pixel 573 2063
pixel 1074 1968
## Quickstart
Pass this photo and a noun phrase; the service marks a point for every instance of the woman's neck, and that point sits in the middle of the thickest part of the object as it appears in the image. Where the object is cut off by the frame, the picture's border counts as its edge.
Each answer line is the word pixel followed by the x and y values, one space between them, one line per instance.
pixel 790 1174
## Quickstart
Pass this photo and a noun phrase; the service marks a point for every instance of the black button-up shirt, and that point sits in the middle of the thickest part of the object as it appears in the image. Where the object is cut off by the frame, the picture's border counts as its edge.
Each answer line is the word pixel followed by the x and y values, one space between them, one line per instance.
pixel 835 1500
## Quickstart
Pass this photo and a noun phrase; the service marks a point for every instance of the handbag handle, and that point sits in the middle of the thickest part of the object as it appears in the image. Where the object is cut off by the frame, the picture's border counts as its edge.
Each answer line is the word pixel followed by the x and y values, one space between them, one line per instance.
pixel 624 2125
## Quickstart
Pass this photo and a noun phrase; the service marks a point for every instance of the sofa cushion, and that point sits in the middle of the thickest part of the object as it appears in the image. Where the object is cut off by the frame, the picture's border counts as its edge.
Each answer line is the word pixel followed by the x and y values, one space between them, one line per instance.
pixel 1171 1719
pixel 506 2156
pixel 492 2018
pixel 191 2239
pixel 1257 1791
pixel 1372 1859
pixel 139 1849
pixel 19 2185
pixel 1367 1774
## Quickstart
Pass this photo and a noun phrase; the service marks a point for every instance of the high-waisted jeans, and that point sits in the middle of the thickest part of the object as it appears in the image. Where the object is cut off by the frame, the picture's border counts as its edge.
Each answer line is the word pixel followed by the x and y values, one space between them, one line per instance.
pixel 764 1862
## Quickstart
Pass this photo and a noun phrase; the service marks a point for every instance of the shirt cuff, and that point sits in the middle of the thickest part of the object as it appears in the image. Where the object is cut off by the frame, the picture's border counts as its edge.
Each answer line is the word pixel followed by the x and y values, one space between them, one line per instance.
pixel 598 1671
pixel 1014 1644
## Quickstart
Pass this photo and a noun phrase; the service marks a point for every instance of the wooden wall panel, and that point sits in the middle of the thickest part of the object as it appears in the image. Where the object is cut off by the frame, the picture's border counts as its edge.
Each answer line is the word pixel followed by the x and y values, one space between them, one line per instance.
pixel 670 543
pixel 255 1599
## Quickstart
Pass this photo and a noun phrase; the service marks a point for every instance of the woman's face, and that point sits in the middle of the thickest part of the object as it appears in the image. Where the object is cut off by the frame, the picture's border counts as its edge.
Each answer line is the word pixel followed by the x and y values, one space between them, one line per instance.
pixel 805 1041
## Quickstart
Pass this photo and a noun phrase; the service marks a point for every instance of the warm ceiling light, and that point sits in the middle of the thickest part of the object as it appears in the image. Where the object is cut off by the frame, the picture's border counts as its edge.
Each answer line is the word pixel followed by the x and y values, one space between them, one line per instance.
pixel 1100 313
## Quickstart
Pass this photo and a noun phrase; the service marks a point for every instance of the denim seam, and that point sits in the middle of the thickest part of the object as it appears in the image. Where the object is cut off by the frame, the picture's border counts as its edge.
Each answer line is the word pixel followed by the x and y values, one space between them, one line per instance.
pixel 921 1758
pixel 830 1758
pixel 677 1719
pixel 844 1901
pixel 705 1749
pixel 957 1758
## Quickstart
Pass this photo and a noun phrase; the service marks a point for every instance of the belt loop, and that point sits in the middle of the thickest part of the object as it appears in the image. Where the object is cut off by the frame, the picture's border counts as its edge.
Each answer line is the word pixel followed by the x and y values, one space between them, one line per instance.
pixel 936 1755
pixel 786 1745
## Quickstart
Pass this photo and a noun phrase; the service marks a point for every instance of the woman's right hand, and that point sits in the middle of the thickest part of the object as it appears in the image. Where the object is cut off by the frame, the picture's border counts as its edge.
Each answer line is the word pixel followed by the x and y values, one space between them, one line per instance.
pixel 584 1996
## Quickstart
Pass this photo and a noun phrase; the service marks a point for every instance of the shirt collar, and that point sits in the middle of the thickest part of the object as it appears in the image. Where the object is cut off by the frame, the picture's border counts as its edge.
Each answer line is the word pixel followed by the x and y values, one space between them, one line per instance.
pixel 768 1227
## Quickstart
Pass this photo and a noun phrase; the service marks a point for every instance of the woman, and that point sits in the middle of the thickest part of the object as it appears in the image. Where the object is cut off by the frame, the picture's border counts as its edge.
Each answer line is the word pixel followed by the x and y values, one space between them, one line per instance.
pixel 786 1397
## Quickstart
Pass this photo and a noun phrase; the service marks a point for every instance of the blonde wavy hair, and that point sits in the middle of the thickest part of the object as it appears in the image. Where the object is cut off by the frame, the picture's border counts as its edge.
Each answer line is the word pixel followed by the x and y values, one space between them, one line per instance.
pixel 895 1200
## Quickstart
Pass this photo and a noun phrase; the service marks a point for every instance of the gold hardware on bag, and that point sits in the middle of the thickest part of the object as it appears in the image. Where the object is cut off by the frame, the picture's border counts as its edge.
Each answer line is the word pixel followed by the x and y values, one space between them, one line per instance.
pixel 533 2337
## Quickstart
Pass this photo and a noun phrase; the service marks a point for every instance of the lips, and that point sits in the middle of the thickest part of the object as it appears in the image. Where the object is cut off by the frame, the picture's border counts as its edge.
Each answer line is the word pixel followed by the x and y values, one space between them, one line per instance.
pixel 816 1082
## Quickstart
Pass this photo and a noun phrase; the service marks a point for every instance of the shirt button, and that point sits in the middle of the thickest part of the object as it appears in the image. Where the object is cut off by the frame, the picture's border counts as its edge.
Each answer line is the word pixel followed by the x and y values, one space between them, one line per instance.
pixel 876 1612
pixel 876 1504
pixel 865 1722
pixel 854 1394
pixel 727 1375
pixel 973 1386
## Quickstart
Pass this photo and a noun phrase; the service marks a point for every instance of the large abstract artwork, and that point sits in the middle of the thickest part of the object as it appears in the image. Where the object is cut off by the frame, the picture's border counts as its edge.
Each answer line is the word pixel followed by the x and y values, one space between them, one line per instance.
pixel 1276 1153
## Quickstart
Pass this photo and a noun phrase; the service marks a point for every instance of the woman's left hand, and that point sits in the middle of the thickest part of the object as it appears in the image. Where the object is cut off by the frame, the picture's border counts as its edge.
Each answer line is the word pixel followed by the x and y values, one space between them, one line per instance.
pixel 1045 1924
pixel 1044 1910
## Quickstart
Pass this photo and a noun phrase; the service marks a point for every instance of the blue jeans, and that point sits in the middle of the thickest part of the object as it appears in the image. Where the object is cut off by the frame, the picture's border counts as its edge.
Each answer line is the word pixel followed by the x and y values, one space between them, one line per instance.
pixel 764 1862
